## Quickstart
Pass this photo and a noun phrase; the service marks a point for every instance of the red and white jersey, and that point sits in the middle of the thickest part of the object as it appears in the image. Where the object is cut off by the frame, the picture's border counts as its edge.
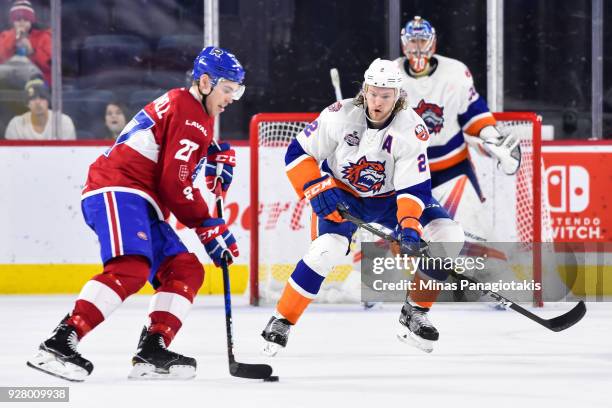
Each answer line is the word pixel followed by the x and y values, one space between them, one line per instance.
pixel 449 104
pixel 156 155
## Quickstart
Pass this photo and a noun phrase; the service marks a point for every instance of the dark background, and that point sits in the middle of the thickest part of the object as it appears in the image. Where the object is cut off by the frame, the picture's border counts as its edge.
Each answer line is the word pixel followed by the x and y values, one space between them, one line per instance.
pixel 288 47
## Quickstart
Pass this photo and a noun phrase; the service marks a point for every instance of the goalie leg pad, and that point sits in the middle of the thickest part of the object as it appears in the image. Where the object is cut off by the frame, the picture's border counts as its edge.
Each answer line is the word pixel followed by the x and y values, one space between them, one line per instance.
pixel 457 189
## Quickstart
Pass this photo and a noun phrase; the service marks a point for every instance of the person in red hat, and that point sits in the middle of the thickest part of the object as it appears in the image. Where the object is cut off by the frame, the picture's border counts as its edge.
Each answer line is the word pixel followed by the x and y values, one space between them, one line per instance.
pixel 24 40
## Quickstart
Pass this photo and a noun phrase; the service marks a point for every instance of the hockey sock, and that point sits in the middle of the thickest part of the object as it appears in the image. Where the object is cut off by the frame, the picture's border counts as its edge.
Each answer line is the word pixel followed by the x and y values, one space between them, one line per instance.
pixel 301 288
pixel 421 295
pixel 181 277
pixel 99 297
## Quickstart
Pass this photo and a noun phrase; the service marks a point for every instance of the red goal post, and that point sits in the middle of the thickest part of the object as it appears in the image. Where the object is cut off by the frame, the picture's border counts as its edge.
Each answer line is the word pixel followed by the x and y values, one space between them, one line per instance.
pixel 272 132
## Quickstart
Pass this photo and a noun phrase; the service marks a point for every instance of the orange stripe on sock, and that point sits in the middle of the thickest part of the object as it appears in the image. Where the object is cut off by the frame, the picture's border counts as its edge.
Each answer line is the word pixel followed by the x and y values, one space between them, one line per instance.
pixel 292 304
pixel 421 296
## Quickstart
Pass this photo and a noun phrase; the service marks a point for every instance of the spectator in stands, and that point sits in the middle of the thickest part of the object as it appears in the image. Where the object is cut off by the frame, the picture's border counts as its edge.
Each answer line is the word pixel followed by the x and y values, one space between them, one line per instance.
pixel 36 124
pixel 23 41
pixel 114 120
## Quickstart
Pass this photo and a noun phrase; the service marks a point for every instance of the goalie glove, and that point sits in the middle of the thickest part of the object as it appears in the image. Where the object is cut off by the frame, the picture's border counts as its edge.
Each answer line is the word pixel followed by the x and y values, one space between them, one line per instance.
pixel 220 162
pixel 504 146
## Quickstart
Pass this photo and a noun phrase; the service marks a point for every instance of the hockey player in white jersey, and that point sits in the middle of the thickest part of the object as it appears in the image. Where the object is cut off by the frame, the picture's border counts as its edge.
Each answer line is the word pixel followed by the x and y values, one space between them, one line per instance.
pixel 369 154
pixel 441 90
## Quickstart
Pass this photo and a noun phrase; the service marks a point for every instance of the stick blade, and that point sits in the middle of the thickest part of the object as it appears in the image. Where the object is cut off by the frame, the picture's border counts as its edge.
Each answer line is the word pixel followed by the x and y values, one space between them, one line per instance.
pixel 568 319
pixel 254 371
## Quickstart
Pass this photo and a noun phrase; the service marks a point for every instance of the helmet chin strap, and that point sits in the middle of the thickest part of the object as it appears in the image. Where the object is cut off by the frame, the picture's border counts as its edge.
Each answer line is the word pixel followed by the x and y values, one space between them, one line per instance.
pixel 204 96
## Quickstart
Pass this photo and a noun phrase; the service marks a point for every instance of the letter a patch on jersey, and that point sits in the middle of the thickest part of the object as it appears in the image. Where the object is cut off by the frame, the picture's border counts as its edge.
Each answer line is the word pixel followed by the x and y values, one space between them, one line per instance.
pixel 387 144
pixel 365 175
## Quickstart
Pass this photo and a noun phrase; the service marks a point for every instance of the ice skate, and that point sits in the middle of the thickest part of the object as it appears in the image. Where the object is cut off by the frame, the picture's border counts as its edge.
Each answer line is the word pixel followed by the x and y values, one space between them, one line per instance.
pixel 154 361
pixel 276 335
pixel 416 329
pixel 58 356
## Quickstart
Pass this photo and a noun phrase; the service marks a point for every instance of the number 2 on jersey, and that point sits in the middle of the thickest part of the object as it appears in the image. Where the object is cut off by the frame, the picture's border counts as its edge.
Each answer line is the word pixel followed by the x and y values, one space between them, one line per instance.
pixel 184 153
pixel 422 162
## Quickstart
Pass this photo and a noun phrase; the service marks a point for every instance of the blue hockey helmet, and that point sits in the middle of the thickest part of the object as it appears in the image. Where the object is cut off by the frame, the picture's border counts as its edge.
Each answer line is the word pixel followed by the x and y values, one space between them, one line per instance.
pixel 419 42
pixel 219 64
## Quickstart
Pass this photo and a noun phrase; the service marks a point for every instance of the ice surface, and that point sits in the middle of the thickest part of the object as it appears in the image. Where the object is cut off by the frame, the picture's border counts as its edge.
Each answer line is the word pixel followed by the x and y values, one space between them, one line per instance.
pixel 337 356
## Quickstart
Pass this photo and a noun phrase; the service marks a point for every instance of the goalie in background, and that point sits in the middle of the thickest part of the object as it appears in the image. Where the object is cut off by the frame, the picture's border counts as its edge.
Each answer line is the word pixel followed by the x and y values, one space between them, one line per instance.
pixel 441 90
pixel 130 191
pixel 369 154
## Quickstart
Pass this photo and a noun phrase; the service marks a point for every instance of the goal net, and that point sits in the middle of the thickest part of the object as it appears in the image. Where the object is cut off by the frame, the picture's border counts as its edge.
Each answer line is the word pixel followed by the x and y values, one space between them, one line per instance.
pixel 283 222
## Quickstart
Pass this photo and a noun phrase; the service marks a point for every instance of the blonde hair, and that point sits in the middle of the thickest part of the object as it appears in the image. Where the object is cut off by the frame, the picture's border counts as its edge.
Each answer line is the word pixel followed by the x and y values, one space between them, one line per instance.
pixel 400 104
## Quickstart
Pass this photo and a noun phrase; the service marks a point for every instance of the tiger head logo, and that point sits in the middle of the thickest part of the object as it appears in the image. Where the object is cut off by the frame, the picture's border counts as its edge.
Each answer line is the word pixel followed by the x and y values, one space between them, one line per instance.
pixel 432 114
pixel 365 176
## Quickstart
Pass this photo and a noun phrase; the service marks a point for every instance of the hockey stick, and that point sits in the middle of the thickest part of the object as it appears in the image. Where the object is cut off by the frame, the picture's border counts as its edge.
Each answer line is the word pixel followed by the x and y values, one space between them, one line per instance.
pixel 555 324
pixel 335 78
pixel 255 371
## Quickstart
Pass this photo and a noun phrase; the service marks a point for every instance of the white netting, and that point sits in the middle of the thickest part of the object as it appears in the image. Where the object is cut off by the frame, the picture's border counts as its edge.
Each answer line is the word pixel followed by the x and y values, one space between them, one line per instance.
pixel 284 221
pixel 515 192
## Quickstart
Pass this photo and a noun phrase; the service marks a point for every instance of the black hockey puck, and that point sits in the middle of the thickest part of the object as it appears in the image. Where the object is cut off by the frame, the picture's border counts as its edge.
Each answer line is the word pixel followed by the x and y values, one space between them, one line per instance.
pixel 272 378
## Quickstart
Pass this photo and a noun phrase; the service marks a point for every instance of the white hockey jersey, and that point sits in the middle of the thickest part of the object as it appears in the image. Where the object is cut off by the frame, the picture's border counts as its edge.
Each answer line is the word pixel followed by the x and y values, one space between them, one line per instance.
pixel 368 162
pixel 449 104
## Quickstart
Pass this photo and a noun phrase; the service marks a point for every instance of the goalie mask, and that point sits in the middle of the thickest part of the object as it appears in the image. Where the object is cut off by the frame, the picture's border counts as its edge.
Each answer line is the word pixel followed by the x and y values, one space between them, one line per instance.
pixel 418 43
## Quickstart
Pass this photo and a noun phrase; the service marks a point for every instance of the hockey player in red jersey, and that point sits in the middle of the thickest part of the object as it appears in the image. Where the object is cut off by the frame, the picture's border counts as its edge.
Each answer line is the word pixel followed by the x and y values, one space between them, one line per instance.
pixel 130 191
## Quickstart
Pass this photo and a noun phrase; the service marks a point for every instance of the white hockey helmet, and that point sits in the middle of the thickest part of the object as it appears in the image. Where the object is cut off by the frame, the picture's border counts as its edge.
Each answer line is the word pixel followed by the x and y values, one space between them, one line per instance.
pixel 384 74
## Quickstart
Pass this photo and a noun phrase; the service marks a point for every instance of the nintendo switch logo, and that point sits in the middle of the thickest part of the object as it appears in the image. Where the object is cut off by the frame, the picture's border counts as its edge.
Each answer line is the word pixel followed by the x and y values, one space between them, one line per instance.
pixel 568 188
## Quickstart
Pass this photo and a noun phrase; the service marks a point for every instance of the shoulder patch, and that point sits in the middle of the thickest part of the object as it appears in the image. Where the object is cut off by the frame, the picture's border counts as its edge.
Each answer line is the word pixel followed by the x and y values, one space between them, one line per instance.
pixel 352 139
pixel 335 107
pixel 421 132
pixel 432 114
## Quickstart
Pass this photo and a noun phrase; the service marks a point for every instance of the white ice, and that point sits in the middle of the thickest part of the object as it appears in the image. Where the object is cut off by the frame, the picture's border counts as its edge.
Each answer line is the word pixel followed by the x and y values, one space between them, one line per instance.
pixel 337 356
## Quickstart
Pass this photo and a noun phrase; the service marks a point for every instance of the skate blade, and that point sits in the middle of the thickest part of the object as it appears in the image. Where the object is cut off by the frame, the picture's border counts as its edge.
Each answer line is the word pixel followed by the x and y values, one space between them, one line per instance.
pixel 143 371
pixel 48 363
pixel 270 349
pixel 408 337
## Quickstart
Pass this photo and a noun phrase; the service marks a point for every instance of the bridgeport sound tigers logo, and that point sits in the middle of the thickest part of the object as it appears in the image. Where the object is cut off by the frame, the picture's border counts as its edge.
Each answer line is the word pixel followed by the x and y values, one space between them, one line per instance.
pixel 432 115
pixel 365 175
